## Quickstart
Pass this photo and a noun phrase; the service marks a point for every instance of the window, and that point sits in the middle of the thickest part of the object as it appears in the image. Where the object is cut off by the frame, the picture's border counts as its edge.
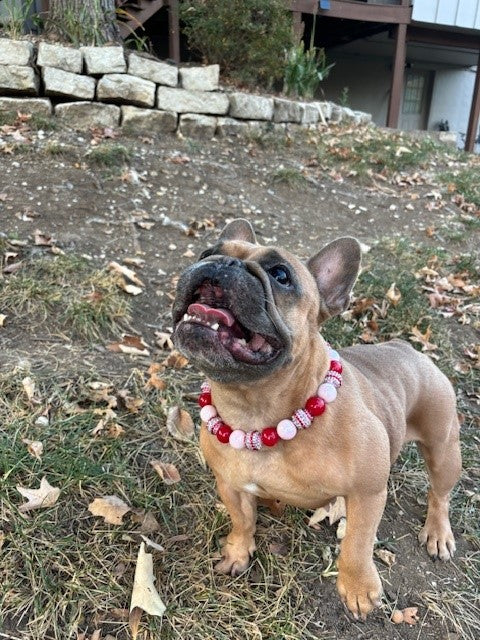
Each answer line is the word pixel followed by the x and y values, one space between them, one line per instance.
pixel 413 97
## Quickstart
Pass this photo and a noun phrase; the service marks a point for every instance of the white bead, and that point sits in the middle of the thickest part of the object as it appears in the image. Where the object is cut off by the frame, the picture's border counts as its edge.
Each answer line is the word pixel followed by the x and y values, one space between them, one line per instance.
pixel 237 439
pixel 207 412
pixel 327 392
pixel 334 355
pixel 286 429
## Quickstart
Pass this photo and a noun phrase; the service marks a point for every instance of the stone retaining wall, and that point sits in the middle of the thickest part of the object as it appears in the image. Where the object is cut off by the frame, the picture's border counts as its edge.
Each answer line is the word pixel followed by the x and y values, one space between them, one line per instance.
pixel 108 86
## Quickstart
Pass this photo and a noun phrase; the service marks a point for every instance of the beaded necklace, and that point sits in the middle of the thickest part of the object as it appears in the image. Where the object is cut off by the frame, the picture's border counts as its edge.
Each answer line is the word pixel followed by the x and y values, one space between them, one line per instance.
pixel 286 429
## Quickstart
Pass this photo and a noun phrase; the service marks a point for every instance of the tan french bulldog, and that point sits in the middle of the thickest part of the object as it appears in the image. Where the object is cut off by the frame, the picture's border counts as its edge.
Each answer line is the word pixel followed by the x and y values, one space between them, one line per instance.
pixel 287 418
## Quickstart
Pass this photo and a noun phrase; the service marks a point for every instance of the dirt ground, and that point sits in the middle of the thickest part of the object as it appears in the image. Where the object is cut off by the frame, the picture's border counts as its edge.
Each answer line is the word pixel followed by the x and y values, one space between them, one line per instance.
pixel 141 210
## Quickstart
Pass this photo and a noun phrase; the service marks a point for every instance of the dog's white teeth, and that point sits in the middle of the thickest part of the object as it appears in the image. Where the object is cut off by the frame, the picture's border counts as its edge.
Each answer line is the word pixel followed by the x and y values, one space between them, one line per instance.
pixel 187 317
pixel 242 341
pixel 266 348
pixel 215 326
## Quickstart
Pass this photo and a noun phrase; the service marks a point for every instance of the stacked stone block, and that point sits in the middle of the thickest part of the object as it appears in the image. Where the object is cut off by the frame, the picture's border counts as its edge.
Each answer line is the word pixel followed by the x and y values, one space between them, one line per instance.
pixel 108 86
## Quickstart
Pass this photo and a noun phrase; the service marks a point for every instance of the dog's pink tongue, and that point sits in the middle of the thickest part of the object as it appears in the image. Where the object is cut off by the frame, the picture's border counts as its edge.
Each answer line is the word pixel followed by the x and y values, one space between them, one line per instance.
pixel 222 315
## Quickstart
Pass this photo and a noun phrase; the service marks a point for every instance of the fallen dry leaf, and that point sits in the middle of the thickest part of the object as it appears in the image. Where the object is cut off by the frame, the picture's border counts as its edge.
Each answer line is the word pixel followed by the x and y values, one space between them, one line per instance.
pixel 45 496
pixel 34 448
pixel 126 272
pixel 393 294
pixel 334 510
pixel 342 528
pixel 168 472
pixel 133 345
pixel 144 595
pixel 408 615
pixel 151 543
pixel 180 424
pixel 387 557
pixel 111 508
pixel 175 360
pixel 164 340
pixel 147 521
pixel 462 367
pixel 42 239
pixel 180 159
pixel 423 338
pixel 3 317
pixel 131 403
pixel 132 289
pixel 155 382
pixel 29 387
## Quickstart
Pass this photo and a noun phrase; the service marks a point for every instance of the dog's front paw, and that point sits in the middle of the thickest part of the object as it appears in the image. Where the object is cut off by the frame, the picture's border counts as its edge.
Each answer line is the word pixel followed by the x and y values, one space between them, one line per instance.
pixel 360 592
pixel 437 535
pixel 235 558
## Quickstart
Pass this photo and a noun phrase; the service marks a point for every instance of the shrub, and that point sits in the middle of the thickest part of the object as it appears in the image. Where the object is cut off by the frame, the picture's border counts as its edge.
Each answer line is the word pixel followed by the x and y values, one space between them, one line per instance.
pixel 247 38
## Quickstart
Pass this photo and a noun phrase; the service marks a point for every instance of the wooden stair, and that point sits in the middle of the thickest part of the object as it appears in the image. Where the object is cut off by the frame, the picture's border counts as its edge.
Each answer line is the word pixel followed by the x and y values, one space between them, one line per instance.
pixel 133 14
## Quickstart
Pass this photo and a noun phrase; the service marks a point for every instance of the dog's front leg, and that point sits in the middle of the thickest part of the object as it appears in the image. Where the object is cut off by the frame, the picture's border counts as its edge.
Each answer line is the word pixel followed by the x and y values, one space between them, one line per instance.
pixel 240 542
pixel 358 582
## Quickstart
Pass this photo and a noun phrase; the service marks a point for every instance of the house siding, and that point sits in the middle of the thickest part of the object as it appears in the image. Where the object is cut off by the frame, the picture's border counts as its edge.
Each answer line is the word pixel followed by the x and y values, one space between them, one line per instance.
pixel 454 13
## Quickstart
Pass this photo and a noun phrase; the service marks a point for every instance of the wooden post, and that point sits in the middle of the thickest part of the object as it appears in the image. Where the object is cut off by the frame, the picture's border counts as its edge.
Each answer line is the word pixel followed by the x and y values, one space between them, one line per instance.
pixel 474 112
pixel 396 89
pixel 298 26
pixel 173 31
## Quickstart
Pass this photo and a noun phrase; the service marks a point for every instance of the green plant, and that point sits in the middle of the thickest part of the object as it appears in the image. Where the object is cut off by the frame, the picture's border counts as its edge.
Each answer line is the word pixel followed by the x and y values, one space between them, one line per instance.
pixel 83 22
pixel 109 155
pixel 344 97
pixel 305 68
pixel 15 15
pixel 247 38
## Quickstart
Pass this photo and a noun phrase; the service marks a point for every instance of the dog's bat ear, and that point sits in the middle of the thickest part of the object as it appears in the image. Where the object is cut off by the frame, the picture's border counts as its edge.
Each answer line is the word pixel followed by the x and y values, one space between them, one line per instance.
pixel 335 269
pixel 239 229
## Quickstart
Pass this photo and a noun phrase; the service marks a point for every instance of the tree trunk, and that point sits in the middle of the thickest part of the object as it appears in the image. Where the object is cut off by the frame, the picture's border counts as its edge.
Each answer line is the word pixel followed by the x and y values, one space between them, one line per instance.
pixel 84 22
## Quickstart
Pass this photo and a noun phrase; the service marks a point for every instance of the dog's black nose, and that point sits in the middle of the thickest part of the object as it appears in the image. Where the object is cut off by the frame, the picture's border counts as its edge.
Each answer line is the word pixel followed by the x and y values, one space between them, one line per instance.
pixel 228 261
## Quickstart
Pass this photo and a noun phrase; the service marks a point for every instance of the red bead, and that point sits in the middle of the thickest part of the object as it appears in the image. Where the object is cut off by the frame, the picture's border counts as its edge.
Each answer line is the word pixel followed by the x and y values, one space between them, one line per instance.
pixel 315 406
pixel 270 436
pixel 204 399
pixel 223 434
pixel 336 366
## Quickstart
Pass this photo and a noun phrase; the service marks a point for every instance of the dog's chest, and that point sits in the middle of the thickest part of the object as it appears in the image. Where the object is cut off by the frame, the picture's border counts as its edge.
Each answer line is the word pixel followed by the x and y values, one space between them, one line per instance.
pixel 270 477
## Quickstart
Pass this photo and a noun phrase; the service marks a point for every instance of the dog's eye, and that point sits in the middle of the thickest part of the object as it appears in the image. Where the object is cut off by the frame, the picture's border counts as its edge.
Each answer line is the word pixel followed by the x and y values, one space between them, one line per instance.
pixel 281 275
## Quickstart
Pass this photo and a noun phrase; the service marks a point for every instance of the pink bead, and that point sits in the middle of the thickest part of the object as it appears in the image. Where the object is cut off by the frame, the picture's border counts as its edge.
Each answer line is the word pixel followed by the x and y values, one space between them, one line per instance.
pixel 334 378
pixel 253 440
pixel 237 439
pixel 301 419
pixel 327 392
pixel 207 412
pixel 334 355
pixel 286 429
pixel 214 424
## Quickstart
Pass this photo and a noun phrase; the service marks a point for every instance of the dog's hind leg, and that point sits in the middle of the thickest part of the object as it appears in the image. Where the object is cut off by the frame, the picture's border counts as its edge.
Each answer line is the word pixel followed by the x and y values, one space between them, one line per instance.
pixel 443 459
pixel 240 542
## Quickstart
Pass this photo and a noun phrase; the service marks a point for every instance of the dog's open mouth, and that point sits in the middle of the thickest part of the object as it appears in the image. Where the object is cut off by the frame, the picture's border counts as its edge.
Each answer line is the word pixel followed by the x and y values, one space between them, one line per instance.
pixel 209 311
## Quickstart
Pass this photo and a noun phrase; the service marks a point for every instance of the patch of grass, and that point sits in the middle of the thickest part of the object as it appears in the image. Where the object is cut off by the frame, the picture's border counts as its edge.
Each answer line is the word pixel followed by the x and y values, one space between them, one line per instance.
pixel 40 121
pixel 69 292
pixel 109 155
pixel 387 263
pixel 289 175
pixel 7 118
pixel 464 181
pixel 368 150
